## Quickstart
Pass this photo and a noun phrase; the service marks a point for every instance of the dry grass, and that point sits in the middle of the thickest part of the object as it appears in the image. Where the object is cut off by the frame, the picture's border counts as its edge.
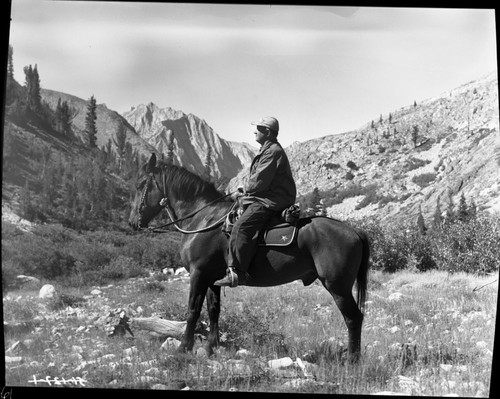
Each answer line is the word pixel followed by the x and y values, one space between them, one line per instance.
pixel 424 334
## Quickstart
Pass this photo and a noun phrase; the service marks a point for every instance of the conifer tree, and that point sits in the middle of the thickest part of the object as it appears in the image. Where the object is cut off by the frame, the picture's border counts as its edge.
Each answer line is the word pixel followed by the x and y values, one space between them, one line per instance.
pixel 10 64
pixel 414 135
pixel 437 217
pixel 450 211
pixel 462 211
pixel 32 84
pixel 90 123
pixel 420 222
pixel 27 210
pixel 170 149
pixel 208 165
pixel 316 201
pixel 120 143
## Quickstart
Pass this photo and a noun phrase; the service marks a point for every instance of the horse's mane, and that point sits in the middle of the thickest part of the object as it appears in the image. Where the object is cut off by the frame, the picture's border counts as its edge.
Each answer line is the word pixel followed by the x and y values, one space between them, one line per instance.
pixel 187 185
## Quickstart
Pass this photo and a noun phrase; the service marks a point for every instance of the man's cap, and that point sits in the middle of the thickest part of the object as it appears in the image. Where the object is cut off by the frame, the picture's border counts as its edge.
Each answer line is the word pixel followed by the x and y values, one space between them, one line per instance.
pixel 269 122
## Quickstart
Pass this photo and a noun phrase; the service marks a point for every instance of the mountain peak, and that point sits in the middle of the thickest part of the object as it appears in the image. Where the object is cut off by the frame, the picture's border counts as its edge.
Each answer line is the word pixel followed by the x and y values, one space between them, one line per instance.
pixel 192 138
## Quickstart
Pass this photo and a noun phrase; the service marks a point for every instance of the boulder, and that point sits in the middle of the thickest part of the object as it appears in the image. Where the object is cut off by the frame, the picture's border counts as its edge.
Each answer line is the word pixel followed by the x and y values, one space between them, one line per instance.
pixel 48 291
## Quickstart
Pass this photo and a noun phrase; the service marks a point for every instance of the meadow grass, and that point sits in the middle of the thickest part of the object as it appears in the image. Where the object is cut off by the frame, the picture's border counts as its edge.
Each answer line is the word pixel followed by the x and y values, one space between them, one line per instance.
pixel 424 334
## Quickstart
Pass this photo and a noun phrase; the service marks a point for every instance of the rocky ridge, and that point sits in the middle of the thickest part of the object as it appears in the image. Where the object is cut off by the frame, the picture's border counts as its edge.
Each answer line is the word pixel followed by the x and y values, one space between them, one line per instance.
pixel 192 140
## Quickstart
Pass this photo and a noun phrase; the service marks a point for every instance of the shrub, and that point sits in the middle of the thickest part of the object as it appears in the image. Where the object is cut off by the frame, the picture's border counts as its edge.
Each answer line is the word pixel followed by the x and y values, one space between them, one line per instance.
pixel 122 267
pixel 332 166
pixel 352 165
pixel 348 176
pixel 414 163
pixel 424 179
pixel 57 253
pixel 472 246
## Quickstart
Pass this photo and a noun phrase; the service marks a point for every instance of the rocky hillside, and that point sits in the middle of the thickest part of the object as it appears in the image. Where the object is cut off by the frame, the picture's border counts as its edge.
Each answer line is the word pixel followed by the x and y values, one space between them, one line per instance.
pixel 192 140
pixel 409 158
pixel 108 121
pixel 412 156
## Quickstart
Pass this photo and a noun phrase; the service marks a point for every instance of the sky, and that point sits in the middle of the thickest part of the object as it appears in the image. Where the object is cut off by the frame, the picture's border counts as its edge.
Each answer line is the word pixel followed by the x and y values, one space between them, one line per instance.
pixel 320 70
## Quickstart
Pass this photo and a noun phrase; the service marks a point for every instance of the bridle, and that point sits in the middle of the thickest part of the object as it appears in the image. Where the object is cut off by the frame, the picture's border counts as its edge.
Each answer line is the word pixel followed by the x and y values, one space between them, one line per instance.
pixel 165 204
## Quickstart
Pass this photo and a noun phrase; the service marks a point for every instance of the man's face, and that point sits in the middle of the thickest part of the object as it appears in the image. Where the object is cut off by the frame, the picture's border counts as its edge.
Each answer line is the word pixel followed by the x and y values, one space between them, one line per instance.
pixel 261 134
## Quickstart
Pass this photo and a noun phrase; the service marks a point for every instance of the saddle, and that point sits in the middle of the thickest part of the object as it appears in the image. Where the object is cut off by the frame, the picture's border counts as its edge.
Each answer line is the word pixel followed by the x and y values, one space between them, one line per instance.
pixel 280 231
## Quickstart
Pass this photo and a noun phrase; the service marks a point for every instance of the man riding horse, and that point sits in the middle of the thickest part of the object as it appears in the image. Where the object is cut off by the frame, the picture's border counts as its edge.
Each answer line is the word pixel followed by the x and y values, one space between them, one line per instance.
pixel 270 190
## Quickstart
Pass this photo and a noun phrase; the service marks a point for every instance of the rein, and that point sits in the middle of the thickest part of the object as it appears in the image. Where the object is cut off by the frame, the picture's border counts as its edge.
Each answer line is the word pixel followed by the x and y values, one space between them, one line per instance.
pixel 165 203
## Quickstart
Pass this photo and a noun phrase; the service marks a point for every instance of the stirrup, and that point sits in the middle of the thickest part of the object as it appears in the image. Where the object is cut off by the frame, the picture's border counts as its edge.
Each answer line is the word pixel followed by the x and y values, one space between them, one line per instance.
pixel 230 280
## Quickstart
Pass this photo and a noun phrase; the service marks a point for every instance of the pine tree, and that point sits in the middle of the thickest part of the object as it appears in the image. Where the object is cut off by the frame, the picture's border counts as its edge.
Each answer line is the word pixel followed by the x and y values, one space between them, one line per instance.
pixel 208 165
pixel 27 210
pixel 90 123
pixel 120 143
pixel 414 135
pixel 315 201
pixel 10 64
pixel 462 211
pixel 170 149
pixel 32 84
pixel 472 210
pixel 420 222
pixel 450 211
pixel 437 217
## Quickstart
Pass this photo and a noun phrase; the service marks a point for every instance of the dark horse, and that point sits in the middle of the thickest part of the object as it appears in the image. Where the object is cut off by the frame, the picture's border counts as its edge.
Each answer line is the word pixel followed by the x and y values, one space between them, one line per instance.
pixel 326 249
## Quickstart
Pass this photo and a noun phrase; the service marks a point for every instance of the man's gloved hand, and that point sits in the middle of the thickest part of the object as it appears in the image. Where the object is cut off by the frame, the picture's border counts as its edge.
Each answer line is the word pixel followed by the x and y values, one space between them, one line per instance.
pixel 240 192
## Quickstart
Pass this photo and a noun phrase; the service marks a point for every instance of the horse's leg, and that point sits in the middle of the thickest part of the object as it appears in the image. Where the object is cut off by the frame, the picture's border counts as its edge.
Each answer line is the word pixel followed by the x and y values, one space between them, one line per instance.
pixel 353 317
pixel 197 294
pixel 213 306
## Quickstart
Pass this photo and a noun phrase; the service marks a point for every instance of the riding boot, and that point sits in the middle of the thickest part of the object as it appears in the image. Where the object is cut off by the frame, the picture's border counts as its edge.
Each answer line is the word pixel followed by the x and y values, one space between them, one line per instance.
pixel 233 278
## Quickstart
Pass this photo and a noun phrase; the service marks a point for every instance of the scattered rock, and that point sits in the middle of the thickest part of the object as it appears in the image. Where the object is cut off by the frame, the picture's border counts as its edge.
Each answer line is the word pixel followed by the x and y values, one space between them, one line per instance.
pixel 146 379
pixel 181 271
pixel 284 362
pixel 202 353
pixel 130 351
pixel 396 296
pixel 96 292
pixel 159 387
pixel 446 367
pixel 13 359
pixel 170 344
pixel 48 291
pixel 243 353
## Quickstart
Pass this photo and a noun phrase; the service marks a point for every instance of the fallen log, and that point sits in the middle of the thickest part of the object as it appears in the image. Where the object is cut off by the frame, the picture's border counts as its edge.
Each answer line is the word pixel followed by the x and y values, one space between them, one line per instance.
pixel 159 328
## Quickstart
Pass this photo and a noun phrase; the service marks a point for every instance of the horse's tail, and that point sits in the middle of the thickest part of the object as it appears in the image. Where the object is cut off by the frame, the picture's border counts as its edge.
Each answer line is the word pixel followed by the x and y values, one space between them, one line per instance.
pixel 362 277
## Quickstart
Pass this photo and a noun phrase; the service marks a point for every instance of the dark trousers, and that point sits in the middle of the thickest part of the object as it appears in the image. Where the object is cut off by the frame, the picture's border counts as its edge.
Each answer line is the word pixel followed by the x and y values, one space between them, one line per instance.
pixel 243 240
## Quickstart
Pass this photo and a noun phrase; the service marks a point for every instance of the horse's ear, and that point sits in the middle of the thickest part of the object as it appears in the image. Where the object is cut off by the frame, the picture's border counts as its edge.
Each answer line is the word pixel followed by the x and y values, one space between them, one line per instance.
pixel 151 163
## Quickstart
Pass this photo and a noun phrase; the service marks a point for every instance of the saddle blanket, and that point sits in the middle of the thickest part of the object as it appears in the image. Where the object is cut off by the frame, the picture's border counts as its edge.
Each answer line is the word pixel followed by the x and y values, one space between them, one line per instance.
pixel 280 235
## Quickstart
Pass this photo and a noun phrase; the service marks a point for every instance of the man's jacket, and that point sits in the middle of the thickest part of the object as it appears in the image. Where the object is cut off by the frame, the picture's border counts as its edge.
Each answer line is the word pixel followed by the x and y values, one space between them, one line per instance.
pixel 271 181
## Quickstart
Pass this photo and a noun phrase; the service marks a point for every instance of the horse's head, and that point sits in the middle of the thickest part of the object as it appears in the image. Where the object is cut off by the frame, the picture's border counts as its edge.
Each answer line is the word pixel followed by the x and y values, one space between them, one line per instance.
pixel 146 204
